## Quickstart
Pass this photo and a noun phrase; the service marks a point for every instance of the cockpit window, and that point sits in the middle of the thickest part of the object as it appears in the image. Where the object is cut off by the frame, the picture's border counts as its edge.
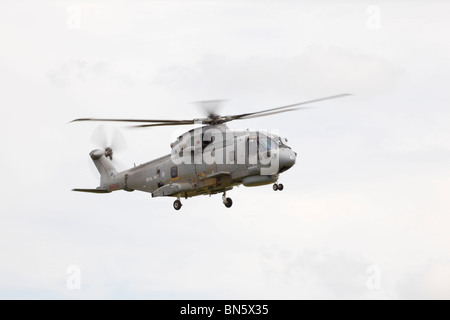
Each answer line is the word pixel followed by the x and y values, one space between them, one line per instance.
pixel 264 145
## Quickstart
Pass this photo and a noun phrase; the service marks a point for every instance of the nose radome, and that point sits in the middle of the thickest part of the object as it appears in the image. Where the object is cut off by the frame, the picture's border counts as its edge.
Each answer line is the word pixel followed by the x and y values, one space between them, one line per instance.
pixel 287 159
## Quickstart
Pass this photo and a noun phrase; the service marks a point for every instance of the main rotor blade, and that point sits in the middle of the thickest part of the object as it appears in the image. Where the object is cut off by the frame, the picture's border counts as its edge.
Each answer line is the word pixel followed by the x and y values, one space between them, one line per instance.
pixel 271 113
pixel 213 118
pixel 162 124
pixel 129 120
pixel 247 115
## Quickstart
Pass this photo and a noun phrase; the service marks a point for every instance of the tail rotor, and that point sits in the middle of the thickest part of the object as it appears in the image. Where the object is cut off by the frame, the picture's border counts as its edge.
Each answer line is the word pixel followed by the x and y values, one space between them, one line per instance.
pixel 111 141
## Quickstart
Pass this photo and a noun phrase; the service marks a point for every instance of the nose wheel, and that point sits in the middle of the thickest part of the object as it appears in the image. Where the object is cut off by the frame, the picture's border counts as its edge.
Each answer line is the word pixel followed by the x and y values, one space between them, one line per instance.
pixel 277 187
pixel 177 204
pixel 227 201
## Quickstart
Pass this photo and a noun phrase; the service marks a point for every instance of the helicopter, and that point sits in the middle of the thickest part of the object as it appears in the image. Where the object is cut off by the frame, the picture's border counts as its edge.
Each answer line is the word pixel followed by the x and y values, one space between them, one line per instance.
pixel 207 160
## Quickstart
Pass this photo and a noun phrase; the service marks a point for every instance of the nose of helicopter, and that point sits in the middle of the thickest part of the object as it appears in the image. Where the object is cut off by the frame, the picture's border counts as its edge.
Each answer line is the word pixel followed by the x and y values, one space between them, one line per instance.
pixel 287 159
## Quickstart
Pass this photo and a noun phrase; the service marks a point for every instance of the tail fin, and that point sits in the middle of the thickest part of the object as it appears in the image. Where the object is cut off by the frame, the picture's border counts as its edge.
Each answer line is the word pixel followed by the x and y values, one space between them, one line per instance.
pixel 104 166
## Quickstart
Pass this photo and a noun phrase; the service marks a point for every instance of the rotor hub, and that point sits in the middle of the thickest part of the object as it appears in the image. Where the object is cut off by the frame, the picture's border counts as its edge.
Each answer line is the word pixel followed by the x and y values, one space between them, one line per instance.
pixel 109 153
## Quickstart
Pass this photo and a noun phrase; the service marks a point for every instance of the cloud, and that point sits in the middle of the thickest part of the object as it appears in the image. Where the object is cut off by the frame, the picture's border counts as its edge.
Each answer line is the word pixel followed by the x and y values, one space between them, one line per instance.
pixel 318 70
pixel 431 282
pixel 315 273
pixel 76 71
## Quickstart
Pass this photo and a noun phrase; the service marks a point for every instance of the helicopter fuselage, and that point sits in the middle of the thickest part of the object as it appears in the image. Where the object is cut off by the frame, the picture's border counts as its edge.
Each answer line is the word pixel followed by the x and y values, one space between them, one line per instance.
pixel 207 160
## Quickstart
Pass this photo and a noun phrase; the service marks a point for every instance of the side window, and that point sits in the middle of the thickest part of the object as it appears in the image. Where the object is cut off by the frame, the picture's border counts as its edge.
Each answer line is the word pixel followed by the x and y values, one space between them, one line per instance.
pixel 231 158
pixel 264 146
pixel 252 145
pixel 207 140
pixel 174 172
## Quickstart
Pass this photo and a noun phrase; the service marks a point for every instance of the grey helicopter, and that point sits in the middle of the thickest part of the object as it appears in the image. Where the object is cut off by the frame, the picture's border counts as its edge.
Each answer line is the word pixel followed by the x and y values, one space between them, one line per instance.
pixel 207 160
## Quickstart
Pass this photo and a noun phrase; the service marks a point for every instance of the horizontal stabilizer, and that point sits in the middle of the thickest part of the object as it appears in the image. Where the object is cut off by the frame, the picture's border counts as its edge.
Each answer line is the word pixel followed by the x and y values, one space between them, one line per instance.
pixel 92 190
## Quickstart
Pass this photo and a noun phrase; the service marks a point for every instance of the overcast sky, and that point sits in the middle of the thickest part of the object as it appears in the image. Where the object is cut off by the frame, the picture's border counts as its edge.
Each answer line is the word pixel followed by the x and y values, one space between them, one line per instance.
pixel 365 210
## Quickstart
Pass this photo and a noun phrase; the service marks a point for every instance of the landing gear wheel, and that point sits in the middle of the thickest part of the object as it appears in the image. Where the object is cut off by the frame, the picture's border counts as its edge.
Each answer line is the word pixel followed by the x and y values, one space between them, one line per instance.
pixel 228 202
pixel 280 187
pixel 275 187
pixel 177 205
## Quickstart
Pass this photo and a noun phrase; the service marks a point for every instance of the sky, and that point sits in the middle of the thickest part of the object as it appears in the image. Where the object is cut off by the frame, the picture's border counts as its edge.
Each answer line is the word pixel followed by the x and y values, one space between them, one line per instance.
pixel 364 213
